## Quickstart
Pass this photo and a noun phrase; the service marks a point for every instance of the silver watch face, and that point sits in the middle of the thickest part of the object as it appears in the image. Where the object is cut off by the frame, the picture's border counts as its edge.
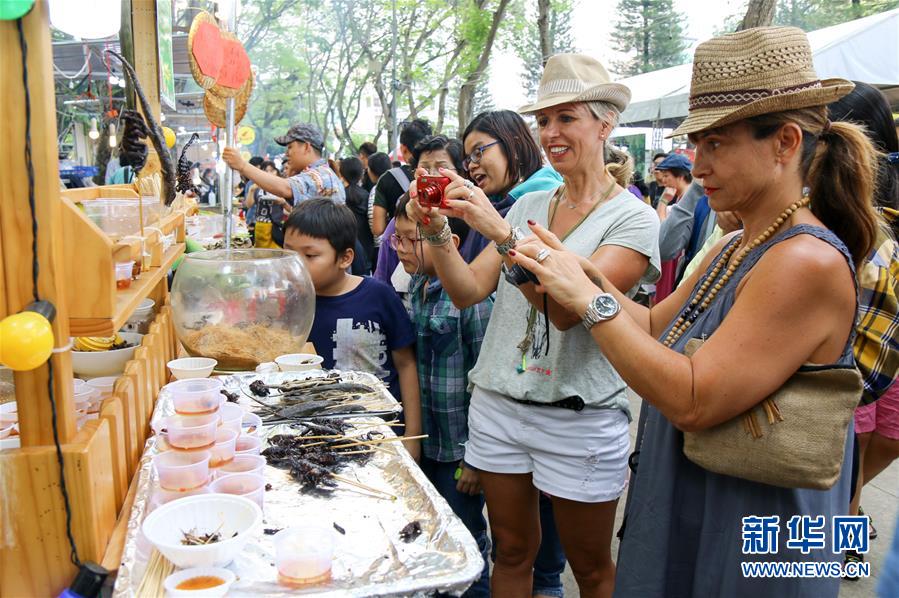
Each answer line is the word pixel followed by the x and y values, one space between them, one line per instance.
pixel 606 305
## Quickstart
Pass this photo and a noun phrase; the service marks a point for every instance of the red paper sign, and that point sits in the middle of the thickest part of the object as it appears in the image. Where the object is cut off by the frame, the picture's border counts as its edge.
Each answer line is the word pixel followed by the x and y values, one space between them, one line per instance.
pixel 208 50
pixel 236 65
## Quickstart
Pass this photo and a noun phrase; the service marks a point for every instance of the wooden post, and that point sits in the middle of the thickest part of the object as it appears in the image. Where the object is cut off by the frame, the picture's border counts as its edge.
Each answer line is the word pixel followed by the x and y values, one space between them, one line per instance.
pixel 35 417
pixel 139 47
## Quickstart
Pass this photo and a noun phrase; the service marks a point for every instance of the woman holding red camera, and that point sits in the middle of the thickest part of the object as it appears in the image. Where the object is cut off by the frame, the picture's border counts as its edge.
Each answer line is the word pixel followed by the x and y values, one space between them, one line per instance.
pixel 548 413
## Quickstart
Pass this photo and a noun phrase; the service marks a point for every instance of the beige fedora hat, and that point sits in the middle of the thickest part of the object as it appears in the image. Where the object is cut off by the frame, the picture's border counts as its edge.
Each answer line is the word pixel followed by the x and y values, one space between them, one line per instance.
pixel 577 78
pixel 753 72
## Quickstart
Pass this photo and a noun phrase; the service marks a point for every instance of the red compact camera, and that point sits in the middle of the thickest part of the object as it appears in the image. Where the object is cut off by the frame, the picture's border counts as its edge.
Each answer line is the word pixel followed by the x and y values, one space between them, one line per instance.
pixel 431 191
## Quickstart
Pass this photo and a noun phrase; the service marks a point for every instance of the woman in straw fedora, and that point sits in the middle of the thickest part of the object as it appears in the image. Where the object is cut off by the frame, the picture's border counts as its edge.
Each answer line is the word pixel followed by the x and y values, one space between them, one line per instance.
pixel 774 296
pixel 547 411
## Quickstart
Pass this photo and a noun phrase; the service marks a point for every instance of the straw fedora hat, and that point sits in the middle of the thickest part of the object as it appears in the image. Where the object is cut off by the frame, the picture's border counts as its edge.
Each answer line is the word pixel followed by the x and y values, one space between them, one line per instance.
pixel 577 78
pixel 753 72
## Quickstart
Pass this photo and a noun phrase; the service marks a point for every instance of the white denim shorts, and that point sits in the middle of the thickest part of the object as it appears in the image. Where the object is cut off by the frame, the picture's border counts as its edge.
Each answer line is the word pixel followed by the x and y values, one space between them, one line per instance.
pixel 579 456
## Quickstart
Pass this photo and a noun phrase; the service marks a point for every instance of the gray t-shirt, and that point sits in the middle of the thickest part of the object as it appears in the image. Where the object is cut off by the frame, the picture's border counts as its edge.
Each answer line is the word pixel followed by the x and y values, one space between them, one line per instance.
pixel 575 366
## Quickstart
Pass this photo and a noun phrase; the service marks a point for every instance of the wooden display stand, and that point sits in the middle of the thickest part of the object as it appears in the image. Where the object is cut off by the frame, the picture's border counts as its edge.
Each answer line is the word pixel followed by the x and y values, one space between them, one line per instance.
pixel 75 274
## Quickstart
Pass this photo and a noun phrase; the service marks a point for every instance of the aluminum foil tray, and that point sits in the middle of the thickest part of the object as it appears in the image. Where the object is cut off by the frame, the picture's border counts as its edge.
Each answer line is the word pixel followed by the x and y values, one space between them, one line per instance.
pixel 370 559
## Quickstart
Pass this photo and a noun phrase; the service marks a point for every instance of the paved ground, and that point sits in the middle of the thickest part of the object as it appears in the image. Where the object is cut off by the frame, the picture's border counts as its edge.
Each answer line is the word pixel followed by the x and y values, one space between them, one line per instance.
pixel 880 501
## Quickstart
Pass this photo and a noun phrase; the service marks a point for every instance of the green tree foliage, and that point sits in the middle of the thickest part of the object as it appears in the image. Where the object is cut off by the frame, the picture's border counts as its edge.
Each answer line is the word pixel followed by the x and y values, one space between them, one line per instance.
pixel 810 15
pixel 318 60
pixel 650 32
pixel 528 41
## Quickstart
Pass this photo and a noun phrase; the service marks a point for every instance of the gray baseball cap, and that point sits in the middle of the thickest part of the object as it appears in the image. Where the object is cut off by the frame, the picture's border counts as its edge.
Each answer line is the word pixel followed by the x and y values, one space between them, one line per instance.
pixel 303 132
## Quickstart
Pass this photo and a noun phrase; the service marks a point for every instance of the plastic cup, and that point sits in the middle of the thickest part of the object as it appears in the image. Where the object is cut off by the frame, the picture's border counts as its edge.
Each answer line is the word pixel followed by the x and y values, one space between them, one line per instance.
pixel 231 417
pixel 162 496
pixel 104 387
pixel 248 445
pixel 123 272
pixel 248 485
pixel 191 432
pixel 251 424
pixel 196 395
pixel 85 397
pixel 254 464
pixel 223 451
pixel 182 471
pixel 303 554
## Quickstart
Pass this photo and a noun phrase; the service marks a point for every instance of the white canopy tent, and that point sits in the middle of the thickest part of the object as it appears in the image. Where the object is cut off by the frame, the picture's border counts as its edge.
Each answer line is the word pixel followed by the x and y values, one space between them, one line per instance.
pixel 862 50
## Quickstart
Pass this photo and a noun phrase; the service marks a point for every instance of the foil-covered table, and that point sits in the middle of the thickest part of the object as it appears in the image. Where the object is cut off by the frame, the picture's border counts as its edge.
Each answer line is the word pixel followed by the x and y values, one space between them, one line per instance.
pixel 370 559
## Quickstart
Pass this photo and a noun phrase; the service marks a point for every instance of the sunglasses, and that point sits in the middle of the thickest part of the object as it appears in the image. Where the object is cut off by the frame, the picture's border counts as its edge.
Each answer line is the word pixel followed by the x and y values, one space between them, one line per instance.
pixel 475 156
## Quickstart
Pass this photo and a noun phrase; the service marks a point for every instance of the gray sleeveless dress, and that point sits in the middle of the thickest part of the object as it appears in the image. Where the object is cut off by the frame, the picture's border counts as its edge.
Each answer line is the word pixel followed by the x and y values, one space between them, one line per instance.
pixel 684 523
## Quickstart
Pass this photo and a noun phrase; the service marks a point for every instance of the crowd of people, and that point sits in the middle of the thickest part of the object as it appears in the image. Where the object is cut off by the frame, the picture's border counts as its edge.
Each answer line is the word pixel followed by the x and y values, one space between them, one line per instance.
pixel 741 294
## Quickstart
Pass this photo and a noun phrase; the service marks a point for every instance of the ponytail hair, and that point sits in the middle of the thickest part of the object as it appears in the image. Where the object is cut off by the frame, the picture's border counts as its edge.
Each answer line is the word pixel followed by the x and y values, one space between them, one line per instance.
pixel 618 163
pixel 839 166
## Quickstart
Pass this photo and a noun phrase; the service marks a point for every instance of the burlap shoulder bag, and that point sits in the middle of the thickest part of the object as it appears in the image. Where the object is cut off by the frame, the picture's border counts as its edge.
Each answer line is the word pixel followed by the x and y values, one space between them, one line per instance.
pixel 795 438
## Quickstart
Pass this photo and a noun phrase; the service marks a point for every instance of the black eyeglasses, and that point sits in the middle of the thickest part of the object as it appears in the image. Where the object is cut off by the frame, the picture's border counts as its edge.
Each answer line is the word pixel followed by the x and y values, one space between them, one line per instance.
pixel 475 156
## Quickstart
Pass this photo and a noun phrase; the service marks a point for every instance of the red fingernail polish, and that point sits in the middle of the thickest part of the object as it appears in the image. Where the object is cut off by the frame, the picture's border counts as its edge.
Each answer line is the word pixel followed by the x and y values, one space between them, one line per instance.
pixel 531 222
pixel 512 252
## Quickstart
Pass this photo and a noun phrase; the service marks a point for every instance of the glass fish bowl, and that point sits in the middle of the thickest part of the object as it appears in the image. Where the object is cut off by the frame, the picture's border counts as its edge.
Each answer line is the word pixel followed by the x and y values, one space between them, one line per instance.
pixel 242 307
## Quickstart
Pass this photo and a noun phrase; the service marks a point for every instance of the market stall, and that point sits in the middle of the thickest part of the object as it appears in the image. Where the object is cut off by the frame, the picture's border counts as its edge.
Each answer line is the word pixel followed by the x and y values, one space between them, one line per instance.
pixel 87 467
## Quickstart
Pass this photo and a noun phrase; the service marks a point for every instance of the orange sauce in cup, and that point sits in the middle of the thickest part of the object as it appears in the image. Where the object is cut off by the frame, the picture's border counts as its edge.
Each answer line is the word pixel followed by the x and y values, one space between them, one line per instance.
pixel 203 582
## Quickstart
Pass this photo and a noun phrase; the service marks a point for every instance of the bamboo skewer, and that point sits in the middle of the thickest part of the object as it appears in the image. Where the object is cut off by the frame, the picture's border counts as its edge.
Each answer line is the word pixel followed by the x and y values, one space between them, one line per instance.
pixel 381 440
pixel 360 485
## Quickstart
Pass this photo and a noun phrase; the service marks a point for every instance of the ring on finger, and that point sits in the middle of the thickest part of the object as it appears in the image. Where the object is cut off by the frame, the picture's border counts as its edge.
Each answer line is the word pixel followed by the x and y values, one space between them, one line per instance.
pixel 470 194
pixel 469 184
pixel 542 255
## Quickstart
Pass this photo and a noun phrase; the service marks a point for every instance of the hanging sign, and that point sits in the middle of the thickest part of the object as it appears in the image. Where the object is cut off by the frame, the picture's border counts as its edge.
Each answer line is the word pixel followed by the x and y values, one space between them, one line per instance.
pixel 246 135
pixel 166 61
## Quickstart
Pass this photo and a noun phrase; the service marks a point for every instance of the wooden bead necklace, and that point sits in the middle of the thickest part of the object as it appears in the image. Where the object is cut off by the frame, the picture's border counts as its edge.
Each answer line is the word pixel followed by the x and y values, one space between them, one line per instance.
pixel 701 301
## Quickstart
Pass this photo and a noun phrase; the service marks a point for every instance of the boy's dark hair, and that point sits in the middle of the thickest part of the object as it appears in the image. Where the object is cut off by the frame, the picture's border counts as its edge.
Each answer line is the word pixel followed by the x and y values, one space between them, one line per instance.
pixel 321 218
pixel 680 173
pixel 257 161
pixel 351 170
pixel 457 225
pixel 368 148
pixel 515 139
pixel 379 163
pixel 267 164
pixel 414 131
pixel 434 143
pixel 658 155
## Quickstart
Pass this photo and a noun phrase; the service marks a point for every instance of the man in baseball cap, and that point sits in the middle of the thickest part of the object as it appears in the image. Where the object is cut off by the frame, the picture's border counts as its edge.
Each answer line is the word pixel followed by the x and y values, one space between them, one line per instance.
pixel 312 176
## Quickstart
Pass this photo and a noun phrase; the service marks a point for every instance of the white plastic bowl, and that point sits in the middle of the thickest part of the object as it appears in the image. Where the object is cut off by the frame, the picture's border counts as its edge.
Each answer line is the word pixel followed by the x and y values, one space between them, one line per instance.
pixel 192 367
pixel 299 362
pixel 172 581
pixel 228 514
pixel 94 364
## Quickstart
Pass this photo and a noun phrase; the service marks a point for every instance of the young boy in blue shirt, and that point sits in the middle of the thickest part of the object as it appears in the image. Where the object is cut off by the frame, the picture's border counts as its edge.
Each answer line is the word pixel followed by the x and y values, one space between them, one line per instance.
pixel 360 323
pixel 447 347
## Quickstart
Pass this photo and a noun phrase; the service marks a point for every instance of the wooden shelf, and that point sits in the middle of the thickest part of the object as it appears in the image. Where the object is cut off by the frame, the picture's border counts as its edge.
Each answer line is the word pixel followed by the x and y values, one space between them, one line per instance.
pixel 127 300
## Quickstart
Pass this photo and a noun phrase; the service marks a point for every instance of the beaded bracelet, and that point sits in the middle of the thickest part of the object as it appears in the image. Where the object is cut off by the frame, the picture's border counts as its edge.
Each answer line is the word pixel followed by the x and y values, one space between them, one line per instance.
pixel 442 237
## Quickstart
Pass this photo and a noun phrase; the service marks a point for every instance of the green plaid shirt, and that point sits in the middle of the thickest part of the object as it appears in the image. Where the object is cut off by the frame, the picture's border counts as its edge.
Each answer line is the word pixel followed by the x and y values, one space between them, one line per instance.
pixel 447 347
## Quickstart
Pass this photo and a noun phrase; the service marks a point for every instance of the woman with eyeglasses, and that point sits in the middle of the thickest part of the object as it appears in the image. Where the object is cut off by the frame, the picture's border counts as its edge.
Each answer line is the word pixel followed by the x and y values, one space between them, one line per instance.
pixel 548 413
pixel 503 159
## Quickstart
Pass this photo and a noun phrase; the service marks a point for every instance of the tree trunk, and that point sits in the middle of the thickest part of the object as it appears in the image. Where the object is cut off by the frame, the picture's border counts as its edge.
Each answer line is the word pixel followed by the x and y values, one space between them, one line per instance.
pixel 546 42
pixel 466 93
pixel 760 13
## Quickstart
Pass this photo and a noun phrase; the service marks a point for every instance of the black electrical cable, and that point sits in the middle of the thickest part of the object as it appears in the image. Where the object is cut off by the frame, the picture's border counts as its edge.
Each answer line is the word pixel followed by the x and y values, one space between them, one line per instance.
pixel 29 166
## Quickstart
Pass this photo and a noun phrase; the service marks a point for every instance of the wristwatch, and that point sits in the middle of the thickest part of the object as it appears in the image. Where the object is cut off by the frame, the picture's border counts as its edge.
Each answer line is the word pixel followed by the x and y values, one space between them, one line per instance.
pixel 601 308
pixel 515 235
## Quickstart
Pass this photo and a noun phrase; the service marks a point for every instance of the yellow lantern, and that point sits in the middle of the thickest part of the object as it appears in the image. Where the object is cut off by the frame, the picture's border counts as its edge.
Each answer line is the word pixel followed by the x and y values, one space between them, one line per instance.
pixel 169 137
pixel 246 135
pixel 26 341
